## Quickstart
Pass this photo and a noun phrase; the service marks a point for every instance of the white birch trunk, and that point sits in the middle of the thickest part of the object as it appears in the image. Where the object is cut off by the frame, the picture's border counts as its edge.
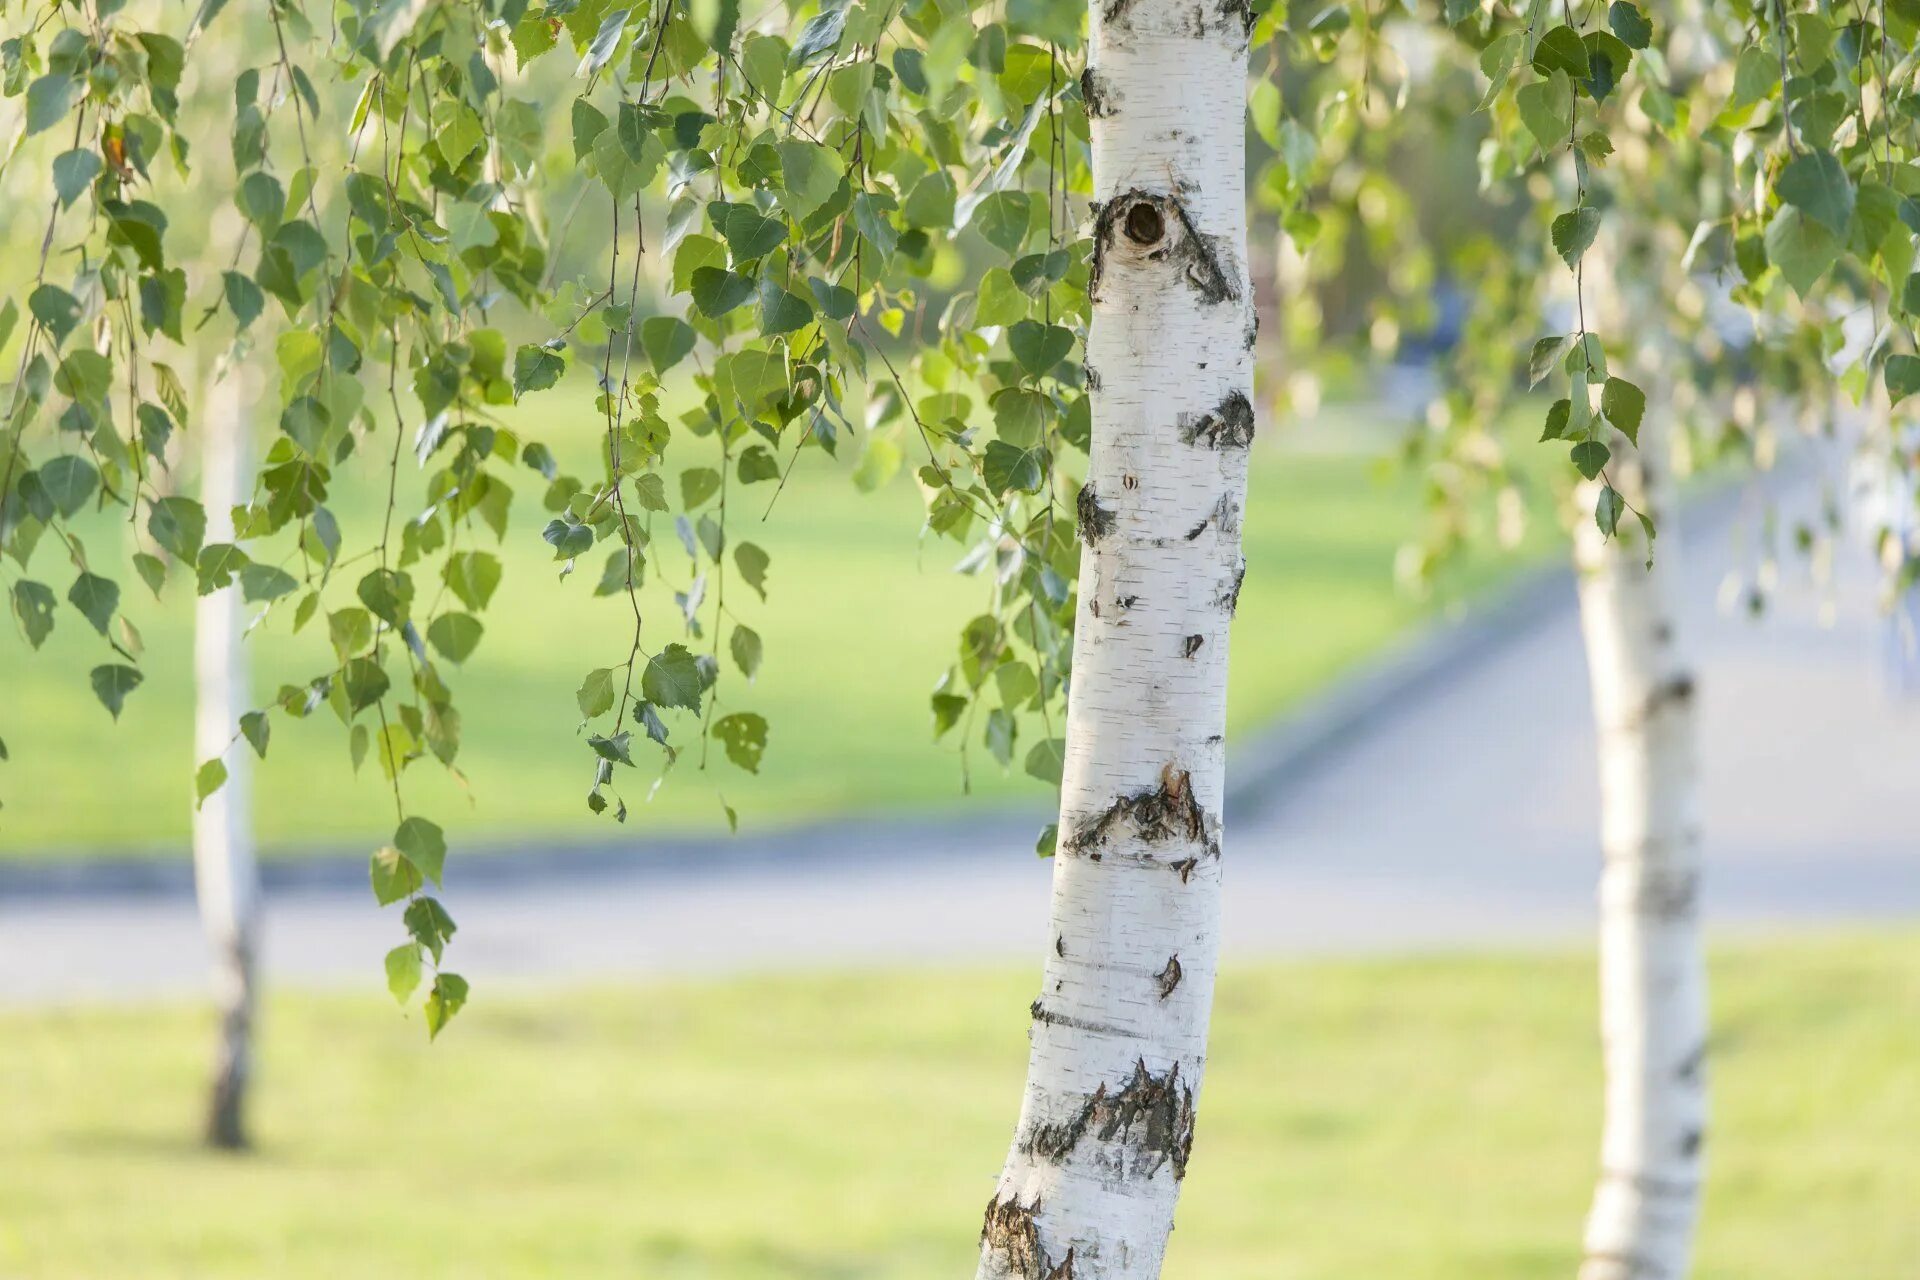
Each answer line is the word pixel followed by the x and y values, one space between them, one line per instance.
pixel 226 879
pixel 1119 1030
pixel 1652 974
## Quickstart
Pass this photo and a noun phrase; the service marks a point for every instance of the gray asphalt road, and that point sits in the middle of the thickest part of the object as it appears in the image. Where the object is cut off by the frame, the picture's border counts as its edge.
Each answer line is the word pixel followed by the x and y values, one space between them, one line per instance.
pixel 1463 816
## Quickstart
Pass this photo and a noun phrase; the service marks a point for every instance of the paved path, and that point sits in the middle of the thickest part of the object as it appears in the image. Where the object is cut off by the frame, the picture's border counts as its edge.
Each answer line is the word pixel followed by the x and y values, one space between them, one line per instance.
pixel 1464 816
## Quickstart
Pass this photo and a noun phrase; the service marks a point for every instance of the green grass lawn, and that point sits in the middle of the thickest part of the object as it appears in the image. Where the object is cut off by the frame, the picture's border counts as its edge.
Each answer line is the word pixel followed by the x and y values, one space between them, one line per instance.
pixel 1423 1119
pixel 862 618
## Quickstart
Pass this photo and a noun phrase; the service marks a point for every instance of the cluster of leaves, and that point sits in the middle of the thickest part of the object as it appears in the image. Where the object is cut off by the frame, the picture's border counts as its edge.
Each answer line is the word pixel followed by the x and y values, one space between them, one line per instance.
pixel 791 201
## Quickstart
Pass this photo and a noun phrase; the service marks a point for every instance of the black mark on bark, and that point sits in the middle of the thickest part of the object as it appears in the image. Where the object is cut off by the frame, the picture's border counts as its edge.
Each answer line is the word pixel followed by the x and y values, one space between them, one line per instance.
pixel 1691 1141
pixel 1060 945
pixel 1129 482
pixel 1229 425
pixel 1691 1066
pixel 1149 1121
pixel 1043 1014
pixel 1101 97
pixel 1169 977
pixel 1168 812
pixel 1012 1232
pixel 1096 521
pixel 1224 514
pixel 1146 219
pixel 1668 895
pixel 1191 645
pixel 1229 598
pixel 1093 378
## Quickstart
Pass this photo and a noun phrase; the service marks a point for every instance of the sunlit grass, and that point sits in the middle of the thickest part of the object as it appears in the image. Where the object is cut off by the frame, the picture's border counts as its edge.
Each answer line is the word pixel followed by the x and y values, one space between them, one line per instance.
pixel 1425 1119
pixel 863 614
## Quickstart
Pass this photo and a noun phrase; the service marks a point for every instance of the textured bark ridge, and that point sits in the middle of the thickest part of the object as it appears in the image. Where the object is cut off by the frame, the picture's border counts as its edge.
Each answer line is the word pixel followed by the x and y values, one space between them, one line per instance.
pixel 1652 975
pixel 1118 1039
pixel 1228 425
pixel 1156 227
pixel 1012 1237
pixel 1132 1131
pixel 1168 812
pixel 1096 522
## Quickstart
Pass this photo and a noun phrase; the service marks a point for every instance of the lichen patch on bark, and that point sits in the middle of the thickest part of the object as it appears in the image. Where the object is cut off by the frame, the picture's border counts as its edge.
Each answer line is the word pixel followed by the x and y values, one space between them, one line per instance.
pixel 1143 1126
pixel 1229 425
pixel 1098 93
pixel 1096 521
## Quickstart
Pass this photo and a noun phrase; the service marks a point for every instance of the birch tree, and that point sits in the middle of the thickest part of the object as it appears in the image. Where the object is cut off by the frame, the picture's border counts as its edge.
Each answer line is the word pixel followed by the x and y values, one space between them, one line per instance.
pixel 225 876
pixel 1119 1027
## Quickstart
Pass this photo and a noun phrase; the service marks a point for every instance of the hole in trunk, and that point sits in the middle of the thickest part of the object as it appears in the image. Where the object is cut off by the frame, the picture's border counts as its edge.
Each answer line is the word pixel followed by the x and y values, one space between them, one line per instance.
pixel 1144 224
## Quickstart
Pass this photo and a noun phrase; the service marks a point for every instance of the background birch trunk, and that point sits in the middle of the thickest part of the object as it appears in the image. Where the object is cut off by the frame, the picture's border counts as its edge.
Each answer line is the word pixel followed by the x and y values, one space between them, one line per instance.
pixel 1119 1029
pixel 1652 971
pixel 226 879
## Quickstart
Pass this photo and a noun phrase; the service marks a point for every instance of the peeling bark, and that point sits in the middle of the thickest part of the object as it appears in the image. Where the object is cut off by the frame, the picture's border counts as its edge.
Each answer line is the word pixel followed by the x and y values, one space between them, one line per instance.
pixel 1229 425
pixel 1169 977
pixel 1096 521
pixel 1139 1127
pixel 1167 812
pixel 1011 1237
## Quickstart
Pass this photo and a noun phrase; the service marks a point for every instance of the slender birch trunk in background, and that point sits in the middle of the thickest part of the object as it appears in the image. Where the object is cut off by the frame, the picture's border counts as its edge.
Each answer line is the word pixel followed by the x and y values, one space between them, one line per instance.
pixel 1119 1029
pixel 226 878
pixel 1652 972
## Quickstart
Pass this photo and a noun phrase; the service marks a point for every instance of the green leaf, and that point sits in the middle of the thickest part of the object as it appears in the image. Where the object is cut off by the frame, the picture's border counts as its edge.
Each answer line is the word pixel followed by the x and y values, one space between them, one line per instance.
pixel 1573 233
pixel 403 971
pixel 697 484
pixel 1546 107
pixel 112 683
pixel 1802 248
pixel 448 997
pixel 745 646
pixel 473 576
pixel 96 598
pixel 388 594
pixel 1630 24
pixel 749 235
pixel 1815 184
pixel 422 844
pixel 1607 508
pixel 757 463
pixel 1003 218
pixel 1556 425
pixel 430 925
pixel 672 678
pixel 210 777
pixel 56 309
pixel 179 526
pixel 1589 456
pixel 69 481
pixel 780 311
pixel 455 635
pixel 667 340
pixel 752 563
pixel 1903 377
pixel 1039 347
pixel 1046 760
pixel 73 171
pixel 811 176
pixel 394 877
pixel 535 368
pixel 1561 50
pixel 33 604
pixel 257 729
pixel 744 735
pixel 1624 404
pixel 595 694
pixel 1000 300
pixel 1008 467
pixel 717 291
pixel 1546 354
pixel 47 101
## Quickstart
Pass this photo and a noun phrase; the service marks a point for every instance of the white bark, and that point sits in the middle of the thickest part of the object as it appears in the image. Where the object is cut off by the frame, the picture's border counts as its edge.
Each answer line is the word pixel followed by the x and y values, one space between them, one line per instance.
pixel 226 879
pixel 1652 975
pixel 1119 1030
